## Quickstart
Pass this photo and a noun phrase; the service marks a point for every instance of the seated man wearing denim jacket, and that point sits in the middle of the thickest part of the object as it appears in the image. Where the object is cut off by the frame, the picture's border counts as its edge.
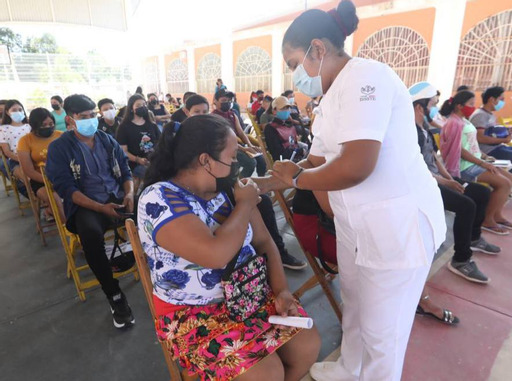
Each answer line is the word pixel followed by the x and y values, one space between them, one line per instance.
pixel 89 170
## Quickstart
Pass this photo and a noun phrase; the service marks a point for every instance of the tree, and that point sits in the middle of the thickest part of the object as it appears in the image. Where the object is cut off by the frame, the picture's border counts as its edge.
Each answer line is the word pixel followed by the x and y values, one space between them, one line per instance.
pixel 44 44
pixel 11 39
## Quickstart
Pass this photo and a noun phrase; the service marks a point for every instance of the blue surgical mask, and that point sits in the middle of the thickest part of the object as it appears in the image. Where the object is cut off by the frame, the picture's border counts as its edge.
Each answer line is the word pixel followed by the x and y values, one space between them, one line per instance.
pixel 283 114
pixel 87 127
pixel 292 100
pixel 499 105
pixel 433 112
pixel 310 86
pixel 17 116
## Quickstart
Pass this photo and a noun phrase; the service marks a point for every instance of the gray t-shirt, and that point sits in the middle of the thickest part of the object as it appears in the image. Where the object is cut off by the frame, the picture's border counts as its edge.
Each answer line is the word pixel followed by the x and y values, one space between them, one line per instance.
pixel 484 119
pixel 428 148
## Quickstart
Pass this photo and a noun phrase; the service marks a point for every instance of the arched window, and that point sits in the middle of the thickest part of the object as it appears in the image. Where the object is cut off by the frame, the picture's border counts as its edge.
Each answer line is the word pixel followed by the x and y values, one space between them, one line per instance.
pixel 288 79
pixel 208 71
pixel 485 54
pixel 253 70
pixel 177 77
pixel 151 77
pixel 401 48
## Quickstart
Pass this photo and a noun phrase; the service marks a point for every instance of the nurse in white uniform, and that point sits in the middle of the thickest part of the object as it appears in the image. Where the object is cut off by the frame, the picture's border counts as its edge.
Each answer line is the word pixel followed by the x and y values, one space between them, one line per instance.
pixel 388 209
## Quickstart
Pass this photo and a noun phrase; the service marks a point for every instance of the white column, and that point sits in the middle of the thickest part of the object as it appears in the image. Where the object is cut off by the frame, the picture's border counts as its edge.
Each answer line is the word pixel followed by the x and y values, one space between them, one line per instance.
pixel 162 80
pixel 445 44
pixel 277 62
pixel 191 59
pixel 226 56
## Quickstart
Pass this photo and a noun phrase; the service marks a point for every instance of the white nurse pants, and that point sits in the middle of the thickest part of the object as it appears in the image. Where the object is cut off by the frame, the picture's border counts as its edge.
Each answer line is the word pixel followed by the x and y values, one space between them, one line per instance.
pixel 378 311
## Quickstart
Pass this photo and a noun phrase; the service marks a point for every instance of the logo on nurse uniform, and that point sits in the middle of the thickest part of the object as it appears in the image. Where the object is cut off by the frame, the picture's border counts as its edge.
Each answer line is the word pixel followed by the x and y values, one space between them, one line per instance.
pixel 367 93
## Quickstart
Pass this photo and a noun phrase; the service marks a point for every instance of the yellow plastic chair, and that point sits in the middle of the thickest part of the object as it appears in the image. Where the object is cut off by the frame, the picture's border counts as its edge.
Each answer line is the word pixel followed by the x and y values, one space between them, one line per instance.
pixel 22 205
pixel 71 245
pixel 145 277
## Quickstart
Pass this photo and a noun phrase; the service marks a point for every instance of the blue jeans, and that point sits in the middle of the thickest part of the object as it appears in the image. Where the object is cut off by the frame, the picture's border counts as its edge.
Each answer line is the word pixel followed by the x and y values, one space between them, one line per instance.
pixel 471 173
pixel 249 164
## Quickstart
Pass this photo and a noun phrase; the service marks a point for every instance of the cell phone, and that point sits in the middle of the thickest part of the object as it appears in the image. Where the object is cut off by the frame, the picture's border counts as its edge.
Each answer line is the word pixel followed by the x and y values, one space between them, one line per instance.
pixel 122 212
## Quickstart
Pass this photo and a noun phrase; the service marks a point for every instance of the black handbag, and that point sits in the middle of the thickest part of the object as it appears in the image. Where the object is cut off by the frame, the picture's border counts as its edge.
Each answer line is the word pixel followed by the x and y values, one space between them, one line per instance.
pixel 121 259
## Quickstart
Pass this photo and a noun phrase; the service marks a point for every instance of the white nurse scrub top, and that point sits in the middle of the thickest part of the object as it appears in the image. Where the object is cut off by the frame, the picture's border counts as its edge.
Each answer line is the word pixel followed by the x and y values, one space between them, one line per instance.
pixel 368 101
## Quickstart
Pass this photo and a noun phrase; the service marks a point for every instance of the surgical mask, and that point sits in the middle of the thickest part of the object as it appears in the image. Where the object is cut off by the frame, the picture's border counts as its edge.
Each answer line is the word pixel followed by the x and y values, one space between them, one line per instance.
pixel 433 112
pixel 468 111
pixel 310 86
pixel 45 132
pixel 499 105
pixel 226 184
pixel 17 116
pixel 141 111
pixel 109 114
pixel 87 127
pixel 55 107
pixel 283 114
pixel 225 106
pixel 292 100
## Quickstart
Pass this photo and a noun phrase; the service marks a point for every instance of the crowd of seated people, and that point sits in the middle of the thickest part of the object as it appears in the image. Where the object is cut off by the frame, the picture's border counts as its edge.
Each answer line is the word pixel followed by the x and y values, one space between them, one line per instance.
pixel 184 162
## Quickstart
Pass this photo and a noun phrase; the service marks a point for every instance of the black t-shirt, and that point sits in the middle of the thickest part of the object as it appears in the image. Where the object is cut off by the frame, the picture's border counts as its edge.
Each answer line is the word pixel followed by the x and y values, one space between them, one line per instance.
pixel 140 140
pixel 179 116
pixel 159 110
pixel 111 130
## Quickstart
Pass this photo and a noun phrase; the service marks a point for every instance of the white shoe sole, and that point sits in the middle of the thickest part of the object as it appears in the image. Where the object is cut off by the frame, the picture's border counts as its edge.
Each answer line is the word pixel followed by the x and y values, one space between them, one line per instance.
pixel 457 272
pixel 120 325
pixel 477 249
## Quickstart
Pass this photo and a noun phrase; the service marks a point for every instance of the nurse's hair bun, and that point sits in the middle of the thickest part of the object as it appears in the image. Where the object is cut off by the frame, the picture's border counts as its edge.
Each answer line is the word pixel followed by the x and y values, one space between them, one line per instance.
pixel 347 13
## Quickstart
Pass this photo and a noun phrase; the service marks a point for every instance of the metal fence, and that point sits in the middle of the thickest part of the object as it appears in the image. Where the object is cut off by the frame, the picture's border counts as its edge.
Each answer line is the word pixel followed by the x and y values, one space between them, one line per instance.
pixel 33 78
pixel 253 83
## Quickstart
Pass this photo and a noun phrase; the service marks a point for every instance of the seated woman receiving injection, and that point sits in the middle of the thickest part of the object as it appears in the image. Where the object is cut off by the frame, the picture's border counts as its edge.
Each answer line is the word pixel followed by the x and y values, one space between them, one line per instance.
pixel 197 222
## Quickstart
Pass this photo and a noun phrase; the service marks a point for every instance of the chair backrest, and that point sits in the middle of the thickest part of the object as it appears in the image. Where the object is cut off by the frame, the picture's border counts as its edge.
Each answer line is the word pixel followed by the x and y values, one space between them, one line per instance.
pixel 140 258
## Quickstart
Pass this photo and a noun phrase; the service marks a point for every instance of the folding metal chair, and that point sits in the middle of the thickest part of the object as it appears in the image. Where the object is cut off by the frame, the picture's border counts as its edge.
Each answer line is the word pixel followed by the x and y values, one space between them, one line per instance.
pixel 140 258
pixel 319 276
pixel 22 205
pixel 71 244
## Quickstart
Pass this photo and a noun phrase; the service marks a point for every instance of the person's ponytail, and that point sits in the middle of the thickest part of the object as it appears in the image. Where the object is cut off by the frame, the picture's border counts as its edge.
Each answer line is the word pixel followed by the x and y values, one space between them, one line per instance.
pixel 347 12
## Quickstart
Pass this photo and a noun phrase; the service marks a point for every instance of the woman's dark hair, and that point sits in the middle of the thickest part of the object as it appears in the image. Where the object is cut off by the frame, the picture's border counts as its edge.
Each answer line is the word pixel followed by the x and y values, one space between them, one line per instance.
pixel 195 100
pixel 57 98
pixel 129 114
pixel 178 150
pixel 152 95
pixel 11 102
pixel 105 101
pixel 77 103
pixel 37 117
pixel 492 92
pixel 287 93
pixel 460 98
pixel 334 26
pixel 268 98
pixel 138 90
pixel 462 88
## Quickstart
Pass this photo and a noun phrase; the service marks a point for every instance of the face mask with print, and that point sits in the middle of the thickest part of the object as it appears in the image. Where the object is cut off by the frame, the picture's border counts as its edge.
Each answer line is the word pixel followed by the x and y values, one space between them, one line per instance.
pixel 499 105
pixel 141 111
pixel 225 106
pixel 310 86
pixel 226 184
pixel 468 111
pixel 17 116
pixel 109 114
pixel 55 107
pixel 45 132
pixel 283 114
pixel 87 127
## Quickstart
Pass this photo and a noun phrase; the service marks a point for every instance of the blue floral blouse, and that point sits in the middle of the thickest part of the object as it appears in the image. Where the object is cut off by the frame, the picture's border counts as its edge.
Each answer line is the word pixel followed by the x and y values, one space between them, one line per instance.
pixel 176 280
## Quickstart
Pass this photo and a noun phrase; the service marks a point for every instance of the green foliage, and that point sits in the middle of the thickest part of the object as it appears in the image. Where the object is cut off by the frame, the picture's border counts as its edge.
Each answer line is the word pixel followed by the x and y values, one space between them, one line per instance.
pixel 12 40
pixel 44 44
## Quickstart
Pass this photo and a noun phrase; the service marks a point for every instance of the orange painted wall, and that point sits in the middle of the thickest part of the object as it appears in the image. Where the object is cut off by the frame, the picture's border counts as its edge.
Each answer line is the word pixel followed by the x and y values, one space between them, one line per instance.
pixel 477 11
pixel 422 21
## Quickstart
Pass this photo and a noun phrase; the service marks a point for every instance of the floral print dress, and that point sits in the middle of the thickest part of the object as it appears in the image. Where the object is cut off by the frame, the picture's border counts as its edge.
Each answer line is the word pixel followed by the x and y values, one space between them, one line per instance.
pixel 201 335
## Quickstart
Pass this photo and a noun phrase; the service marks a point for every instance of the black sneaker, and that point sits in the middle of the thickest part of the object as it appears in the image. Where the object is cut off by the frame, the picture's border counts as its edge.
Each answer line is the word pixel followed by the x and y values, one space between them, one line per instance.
pixel 121 311
pixel 468 270
pixel 292 263
pixel 485 247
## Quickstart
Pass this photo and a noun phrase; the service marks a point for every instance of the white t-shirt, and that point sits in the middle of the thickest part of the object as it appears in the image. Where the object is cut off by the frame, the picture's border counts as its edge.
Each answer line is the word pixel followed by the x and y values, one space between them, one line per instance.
pixel 12 135
pixel 368 101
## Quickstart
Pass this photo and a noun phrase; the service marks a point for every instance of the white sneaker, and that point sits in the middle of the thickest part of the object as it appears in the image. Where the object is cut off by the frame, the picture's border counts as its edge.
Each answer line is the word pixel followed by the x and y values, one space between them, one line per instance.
pixel 329 371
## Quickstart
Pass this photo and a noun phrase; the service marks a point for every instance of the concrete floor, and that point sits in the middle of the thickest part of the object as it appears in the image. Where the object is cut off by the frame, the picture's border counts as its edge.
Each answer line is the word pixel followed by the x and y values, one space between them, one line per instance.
pixel 47 333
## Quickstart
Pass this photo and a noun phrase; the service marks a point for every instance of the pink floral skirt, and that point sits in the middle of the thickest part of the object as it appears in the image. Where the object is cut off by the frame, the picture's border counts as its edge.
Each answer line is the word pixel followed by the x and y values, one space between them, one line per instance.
pixel 210 345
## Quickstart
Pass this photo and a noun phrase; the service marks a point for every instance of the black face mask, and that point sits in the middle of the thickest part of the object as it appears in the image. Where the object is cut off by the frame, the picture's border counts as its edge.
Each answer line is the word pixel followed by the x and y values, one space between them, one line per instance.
pixel 55 107
pixel 45 132
pixel 153 102
pixel 141 111
pixel 226 184
pixel 225 106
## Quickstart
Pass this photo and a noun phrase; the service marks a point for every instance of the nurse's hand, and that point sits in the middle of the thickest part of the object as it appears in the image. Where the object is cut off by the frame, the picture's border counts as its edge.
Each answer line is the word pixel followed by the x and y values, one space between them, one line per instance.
pixel 284 171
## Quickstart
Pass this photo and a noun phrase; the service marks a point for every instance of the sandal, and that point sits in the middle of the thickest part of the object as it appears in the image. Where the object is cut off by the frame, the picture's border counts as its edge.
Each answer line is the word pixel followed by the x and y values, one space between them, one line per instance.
pixel 448 317
pixel 496 230
pixel 505 224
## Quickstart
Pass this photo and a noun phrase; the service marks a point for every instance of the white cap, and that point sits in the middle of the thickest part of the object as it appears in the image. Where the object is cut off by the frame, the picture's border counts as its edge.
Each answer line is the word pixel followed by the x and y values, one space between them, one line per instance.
pixel 422 90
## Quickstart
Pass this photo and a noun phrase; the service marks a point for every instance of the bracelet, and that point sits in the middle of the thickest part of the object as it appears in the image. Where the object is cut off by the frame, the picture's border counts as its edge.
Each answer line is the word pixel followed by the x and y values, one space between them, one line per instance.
pixel 296 177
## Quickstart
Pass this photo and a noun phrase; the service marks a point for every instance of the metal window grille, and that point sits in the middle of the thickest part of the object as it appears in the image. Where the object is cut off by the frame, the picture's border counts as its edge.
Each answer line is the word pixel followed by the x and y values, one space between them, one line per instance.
pixel 177 77
pixel 288 79
pixel 403 49
pixel 208 71
pixel 253 70
pixel 485 54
